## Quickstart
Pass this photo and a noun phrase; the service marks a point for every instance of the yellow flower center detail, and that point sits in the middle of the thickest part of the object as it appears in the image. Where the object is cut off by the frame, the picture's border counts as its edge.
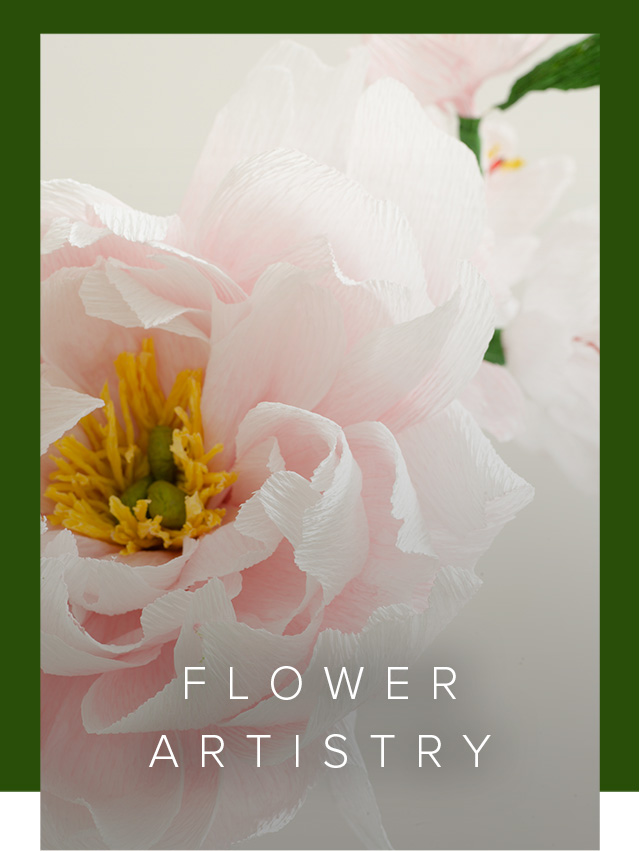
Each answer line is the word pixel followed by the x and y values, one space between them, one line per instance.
pixel 512 165
pixel 498 162
pixel 92 477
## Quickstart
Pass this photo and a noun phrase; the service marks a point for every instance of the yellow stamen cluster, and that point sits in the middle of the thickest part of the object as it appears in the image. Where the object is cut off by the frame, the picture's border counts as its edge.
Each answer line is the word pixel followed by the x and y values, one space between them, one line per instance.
pixel 497 162
pixel 91 476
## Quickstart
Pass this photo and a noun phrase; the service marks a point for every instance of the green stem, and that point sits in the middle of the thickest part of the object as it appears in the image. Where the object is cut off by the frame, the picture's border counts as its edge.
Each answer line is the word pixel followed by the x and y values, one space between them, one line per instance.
pixel 469 134
pixel 495 351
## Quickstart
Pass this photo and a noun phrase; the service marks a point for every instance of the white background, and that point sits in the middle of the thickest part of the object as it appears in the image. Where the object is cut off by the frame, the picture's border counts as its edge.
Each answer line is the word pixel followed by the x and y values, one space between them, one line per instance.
pixel 130 114
pixel 20 816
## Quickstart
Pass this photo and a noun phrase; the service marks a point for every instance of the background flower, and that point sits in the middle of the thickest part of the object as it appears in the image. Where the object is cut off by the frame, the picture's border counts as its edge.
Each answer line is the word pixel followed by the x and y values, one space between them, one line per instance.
pixel 521 196
pixel 546 290
pixel 553 347
pixel 448 68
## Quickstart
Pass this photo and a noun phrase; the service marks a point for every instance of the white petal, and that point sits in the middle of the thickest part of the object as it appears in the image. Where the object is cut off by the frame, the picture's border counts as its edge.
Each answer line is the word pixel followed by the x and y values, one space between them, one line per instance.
pixel 401 564
pixel 254 120
pixel 353 793
pixel 84 347
pixel 564 277
pixel 66 825
pixel 247 366
pixel 61 409
pixel 244 540
pixel 400 156
pixel 315 504
pixel 208 637
pixel 519 200
pixel 412 370
pixel 324 99
pixel 495 399
pixel 81 223
pixel 291 99
pixel 130 804
pixel 69 649
pixel 197 277
pixel 63 231
pixel 441 67
pixel 71 200
pixel 254 801
pixel 282 198
pixel 125 296
pixel 391 633
pixel 538 348
pixel 466 492
pixel 119 584
pixel 133 224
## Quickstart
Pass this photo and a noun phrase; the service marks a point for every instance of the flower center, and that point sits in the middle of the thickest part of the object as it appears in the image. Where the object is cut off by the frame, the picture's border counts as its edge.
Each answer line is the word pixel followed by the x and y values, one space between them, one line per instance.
pixel 142 481
pixel 498 162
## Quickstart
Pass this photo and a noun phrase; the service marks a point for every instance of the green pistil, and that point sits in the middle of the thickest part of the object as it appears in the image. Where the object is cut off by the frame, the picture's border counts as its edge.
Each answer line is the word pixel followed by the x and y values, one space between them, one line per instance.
pixel 138 490
pixel 168 501
pixel 161 462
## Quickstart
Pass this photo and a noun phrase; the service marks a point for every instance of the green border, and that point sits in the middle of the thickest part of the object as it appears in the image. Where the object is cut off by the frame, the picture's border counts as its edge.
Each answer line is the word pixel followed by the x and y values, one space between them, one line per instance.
pixel 19 767
pixel 20 641
pixel 619 428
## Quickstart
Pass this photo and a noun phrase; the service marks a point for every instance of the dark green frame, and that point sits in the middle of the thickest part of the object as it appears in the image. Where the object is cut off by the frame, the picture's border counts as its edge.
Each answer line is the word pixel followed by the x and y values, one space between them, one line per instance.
pixel 19 768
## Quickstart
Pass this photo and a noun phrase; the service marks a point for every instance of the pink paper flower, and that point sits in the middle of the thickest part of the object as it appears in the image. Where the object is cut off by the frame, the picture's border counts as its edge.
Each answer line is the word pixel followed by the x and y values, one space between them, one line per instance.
pixel 546 292
pixel 442 69
pixel 521 195
pixel 552 348
pixel 301 332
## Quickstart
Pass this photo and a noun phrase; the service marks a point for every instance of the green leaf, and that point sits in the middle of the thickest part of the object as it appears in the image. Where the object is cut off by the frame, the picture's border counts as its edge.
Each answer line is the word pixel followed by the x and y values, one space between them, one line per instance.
pixel 575 67
pixel 469 133
pixel 495 352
